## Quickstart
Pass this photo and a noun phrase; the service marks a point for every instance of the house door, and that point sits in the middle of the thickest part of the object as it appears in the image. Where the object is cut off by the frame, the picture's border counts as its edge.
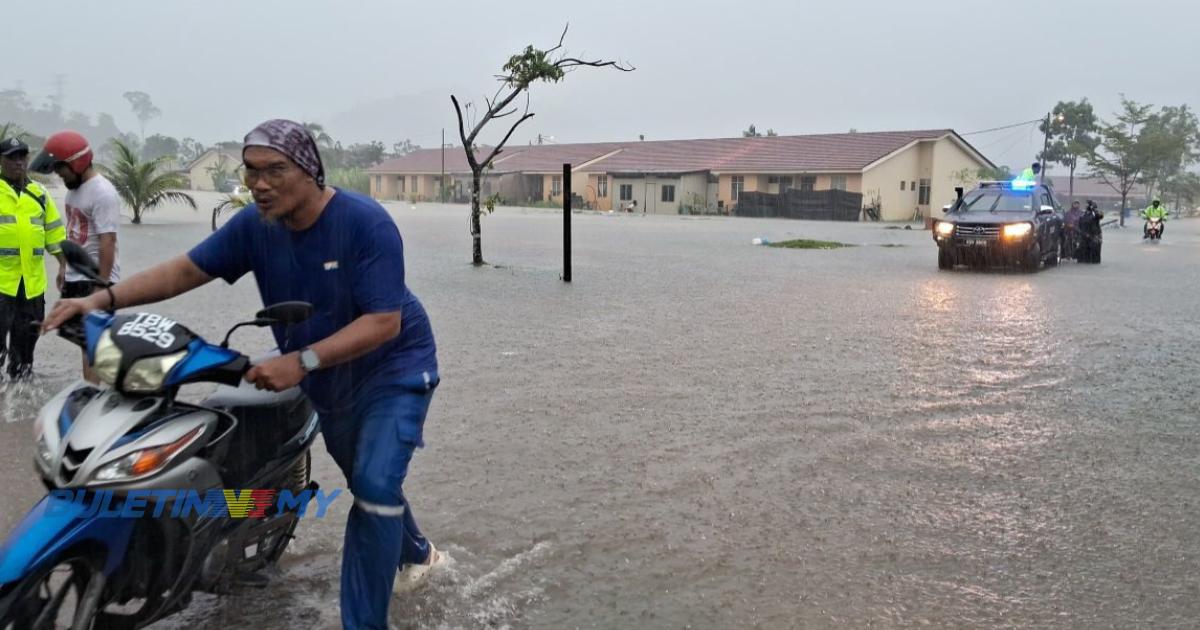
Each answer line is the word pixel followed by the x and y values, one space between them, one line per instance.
pixel 649 204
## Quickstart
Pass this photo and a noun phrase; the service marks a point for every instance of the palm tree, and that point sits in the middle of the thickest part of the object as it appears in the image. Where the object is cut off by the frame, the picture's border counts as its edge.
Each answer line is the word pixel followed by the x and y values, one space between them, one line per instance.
pixel 232 202
pixel 144 185
pixel 12 128
pixel 324 140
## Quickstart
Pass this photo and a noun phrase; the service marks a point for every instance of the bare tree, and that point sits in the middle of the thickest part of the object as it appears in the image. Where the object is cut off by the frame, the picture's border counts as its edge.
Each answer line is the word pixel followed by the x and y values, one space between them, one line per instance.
pixel 521 71
pixel 143 108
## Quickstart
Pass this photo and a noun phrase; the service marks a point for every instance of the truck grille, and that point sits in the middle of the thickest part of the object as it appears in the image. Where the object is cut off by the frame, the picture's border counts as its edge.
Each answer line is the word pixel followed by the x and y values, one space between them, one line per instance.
pixel 989 232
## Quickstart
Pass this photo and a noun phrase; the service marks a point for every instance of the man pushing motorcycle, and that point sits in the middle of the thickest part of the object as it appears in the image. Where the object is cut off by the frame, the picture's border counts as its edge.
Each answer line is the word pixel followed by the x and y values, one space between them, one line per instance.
pixel 367 359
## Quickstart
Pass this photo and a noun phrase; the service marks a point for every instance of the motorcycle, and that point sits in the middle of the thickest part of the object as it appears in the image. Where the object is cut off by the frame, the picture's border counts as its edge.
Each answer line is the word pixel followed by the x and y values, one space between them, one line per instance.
pixel 1071 241
pixel 71 564
pixel 1154 228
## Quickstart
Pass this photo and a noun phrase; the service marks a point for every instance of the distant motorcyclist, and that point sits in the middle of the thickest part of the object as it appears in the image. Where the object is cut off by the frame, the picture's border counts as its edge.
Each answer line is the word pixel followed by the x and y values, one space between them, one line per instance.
pixel 1155 211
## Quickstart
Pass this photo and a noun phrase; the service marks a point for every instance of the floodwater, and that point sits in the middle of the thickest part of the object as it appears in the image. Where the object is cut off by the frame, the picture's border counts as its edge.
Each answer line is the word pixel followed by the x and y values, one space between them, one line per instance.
pixel 699 432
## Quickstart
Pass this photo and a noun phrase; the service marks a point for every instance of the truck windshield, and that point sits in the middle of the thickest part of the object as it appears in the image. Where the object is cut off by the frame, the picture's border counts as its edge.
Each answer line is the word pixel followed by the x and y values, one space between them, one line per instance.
pixel 997 201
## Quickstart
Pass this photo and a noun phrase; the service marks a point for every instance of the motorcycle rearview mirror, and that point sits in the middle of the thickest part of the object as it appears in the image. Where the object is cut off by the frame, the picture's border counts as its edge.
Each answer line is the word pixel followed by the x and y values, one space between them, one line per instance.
pixel 283 313
pixel 81 262
pixel 286 313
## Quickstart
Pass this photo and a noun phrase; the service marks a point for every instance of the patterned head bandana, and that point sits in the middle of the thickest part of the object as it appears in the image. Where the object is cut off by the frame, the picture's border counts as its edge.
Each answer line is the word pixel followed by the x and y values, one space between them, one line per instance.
pixel 293 140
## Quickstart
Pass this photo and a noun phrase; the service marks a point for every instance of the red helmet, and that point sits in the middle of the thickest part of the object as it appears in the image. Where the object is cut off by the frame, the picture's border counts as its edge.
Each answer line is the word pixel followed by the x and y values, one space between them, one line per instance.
pixel 64 146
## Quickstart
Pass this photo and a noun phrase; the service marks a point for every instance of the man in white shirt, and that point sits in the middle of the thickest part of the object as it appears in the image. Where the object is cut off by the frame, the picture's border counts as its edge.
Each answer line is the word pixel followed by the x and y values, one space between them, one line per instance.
pixel 93 212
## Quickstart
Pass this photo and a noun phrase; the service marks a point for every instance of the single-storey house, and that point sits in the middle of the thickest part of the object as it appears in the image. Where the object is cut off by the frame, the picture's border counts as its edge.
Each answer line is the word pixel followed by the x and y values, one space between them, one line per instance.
pixel 904 173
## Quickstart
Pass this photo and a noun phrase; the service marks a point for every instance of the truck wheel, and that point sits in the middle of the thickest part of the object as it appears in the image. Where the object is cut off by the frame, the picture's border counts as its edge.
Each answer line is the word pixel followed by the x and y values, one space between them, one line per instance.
pixel 945 261
pixel 1033 258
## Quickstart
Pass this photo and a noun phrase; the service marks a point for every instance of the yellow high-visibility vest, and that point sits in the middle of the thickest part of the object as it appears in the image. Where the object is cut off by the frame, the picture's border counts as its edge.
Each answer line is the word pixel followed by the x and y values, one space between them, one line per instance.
pixel 30 227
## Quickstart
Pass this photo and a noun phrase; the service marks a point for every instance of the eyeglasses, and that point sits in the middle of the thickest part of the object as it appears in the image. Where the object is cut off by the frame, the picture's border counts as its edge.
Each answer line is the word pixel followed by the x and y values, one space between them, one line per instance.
pixel 273 174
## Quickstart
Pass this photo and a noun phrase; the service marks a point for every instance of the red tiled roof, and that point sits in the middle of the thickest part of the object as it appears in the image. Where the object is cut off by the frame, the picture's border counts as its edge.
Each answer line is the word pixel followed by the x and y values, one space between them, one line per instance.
pixel 549 158
pixel 430 160
pixel 824 152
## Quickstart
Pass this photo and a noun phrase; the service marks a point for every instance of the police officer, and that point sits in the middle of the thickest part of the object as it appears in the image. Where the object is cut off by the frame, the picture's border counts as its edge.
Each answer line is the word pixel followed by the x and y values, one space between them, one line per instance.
pixel 29 227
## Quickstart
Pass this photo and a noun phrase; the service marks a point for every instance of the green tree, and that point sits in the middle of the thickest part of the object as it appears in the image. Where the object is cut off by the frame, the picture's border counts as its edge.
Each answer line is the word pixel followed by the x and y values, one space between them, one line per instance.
pixel 143 108
pixel 404 147
pixel 158 145
pixel 144 185
pixel 522 70
pixel 1072 130
pixel 190 149
pixel 1182 191
pixel 1119 159
pixel 1169 142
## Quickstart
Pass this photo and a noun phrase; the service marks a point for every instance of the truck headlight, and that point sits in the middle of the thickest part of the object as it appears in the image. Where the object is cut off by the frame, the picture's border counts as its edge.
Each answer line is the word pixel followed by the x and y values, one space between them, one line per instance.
pixel 1017 230
pixel 945 228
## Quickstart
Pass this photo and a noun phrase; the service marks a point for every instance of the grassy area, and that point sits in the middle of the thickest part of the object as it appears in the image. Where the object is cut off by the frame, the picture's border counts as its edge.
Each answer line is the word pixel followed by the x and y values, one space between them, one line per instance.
pixel 807 243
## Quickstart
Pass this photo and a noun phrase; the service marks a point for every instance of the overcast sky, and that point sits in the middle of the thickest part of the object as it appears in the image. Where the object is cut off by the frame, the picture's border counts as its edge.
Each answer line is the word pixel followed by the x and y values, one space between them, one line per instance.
pixel 376 69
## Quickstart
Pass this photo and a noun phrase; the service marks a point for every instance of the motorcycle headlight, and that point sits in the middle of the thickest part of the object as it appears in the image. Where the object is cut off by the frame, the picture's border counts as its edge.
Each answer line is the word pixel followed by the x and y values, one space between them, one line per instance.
pixel 106 359
pixel 945 228
pixel 1017 230
pixel 146 461
pixel 43 451
pixel 147 375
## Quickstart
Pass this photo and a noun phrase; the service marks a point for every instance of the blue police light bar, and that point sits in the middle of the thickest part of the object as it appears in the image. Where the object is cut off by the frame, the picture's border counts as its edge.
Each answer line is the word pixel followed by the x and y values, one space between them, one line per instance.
pixel 1023 184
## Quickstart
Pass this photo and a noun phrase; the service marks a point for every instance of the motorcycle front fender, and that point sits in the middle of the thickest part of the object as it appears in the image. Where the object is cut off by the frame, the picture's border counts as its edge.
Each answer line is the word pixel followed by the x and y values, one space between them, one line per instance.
pixel 55 525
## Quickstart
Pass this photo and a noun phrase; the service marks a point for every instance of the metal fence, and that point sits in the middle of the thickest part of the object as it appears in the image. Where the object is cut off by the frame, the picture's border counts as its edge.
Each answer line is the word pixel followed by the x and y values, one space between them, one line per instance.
pixel 813 205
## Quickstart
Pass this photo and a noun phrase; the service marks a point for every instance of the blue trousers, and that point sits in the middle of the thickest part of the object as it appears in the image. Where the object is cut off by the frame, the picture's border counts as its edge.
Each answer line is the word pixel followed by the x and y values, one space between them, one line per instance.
pixel 373 446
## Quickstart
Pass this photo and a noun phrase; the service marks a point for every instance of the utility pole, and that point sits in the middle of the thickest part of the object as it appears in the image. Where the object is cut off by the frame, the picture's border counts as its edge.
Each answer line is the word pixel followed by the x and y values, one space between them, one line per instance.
pixel 1046 145
pixel 443 193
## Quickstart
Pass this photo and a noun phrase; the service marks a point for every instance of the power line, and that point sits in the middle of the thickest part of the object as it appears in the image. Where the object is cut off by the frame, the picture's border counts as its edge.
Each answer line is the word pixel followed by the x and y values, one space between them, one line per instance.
pixel 1020 124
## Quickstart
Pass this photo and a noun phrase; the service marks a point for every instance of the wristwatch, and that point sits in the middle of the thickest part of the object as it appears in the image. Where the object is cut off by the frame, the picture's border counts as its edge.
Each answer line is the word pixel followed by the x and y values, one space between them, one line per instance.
pixel 309 360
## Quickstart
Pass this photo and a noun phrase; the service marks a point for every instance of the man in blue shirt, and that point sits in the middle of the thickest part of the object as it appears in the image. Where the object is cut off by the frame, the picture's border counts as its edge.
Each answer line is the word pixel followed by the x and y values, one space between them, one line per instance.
pixel 366 358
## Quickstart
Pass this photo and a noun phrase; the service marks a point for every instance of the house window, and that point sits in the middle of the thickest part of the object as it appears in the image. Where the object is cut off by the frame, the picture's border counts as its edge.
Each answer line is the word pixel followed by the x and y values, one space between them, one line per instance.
pixel 902 183
pixel 556 185
pixel 773 179
pixel 837 182
pixel 668 193
pixel 602 186
pixel 626 192
pixel 785 183
pixel 923 193
pixel 808 183
pixel 912 185
pixel 736 184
